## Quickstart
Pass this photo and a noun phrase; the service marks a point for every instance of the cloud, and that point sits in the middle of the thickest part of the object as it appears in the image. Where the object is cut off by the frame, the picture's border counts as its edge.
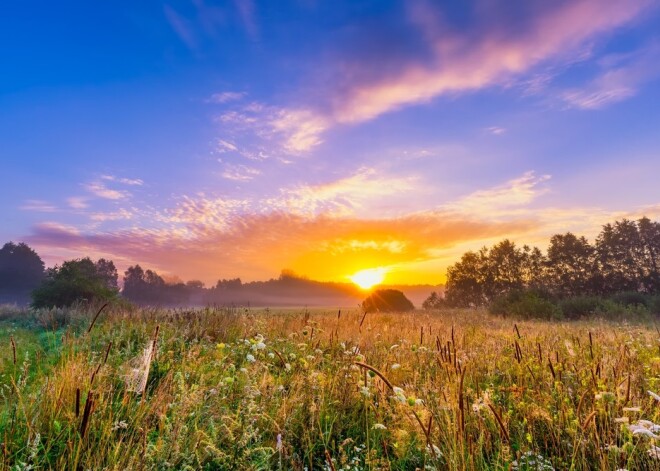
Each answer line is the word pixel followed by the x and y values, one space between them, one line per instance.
pixel 38 206
pixel 496 130
pixel 77 202
pixel 121 214
pixel 240 173
pixel 225 97
pixel 499 45
pixel 620 78
pixel 100 190
pixel 359 192
pixel 183 28
pixel 501 200
pixel 124 181
pixel 247 12
pixel 325 230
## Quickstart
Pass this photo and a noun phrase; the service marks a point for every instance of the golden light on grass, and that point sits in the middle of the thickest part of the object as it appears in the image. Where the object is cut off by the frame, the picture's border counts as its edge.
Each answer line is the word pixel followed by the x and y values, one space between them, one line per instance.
pixel 368 278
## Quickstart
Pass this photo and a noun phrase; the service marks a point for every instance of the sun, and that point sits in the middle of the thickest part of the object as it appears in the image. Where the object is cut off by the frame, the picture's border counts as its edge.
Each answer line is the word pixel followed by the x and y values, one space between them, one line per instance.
pixel 365 279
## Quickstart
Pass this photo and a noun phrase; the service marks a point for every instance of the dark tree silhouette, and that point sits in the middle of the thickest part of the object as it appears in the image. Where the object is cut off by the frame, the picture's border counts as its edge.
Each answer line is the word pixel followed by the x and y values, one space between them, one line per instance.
pixel 387 300
pixel 21 270
pixel 624 259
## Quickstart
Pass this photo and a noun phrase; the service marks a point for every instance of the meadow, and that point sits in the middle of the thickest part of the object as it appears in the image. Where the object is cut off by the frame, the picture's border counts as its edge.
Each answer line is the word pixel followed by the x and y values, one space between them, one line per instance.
pixel 256 389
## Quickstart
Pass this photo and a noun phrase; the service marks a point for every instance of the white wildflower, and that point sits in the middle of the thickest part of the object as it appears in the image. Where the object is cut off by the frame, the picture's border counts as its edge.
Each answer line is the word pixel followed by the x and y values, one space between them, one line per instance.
pixel 395 367
pixel 250 358
pixel 379 427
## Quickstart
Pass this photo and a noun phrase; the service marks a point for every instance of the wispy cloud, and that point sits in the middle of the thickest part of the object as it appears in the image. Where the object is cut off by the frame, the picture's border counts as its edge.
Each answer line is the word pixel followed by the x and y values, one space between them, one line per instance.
pixel 619 78
pixel 496 130
pixel 327 230
pixel 77 202
pixel 491 52
pixel 183 28
pixel 124 181
pixel 100 190
pixel 240 173
pixel 247 13
pixel 40 206
pixel 225 97
pixel 500 200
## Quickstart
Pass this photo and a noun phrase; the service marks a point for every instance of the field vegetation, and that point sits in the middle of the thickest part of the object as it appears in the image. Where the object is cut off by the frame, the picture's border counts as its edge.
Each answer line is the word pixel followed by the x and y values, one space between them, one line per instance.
pixel 244 389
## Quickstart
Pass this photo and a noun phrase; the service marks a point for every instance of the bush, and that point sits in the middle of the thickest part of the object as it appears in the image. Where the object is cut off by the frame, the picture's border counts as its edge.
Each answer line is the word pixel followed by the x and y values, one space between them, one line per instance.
pixel 525 305
pixel 75 281
pixel 577 307
pixel 387 300
pixel 632 298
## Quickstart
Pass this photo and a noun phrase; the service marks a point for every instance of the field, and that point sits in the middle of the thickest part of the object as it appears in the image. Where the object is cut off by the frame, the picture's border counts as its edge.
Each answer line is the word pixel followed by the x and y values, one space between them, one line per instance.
pixel 238 389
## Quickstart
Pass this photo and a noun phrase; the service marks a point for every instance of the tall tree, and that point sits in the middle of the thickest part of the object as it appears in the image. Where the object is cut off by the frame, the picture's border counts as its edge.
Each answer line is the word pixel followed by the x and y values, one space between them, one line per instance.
pixel 620 256
pixel 571 265
pixel 21 270
pixel 649 233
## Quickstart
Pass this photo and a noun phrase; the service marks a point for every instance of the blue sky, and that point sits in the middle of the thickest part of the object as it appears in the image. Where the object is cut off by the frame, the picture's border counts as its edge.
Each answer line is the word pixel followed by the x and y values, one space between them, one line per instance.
pixel 238 138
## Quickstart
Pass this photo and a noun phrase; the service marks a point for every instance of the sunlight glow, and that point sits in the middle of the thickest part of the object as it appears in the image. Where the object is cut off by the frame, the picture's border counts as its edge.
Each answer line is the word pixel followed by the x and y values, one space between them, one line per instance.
pixel 365 279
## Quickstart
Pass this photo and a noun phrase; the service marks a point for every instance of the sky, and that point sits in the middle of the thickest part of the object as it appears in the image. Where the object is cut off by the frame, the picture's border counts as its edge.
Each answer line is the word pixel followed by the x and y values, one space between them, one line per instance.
pixel 238 138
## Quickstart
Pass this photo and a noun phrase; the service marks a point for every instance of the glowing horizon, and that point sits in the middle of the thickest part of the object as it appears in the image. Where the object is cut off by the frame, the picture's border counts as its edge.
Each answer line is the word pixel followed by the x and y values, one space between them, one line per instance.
pixel 204 142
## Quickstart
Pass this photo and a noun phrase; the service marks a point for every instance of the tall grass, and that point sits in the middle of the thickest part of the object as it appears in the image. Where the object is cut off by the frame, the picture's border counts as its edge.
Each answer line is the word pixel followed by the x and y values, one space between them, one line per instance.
pixel 236 389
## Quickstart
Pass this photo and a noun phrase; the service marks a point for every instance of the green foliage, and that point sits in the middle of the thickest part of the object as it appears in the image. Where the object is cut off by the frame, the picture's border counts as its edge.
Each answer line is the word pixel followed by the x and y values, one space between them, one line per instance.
pixel 577 307
pixel 74 281
pixel 525 304
pixel 387 300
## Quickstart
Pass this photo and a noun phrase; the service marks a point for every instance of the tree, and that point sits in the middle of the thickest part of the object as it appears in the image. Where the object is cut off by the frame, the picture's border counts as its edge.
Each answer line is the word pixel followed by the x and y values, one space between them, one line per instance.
pixel 434 301
pixel 572 268
pixel 21 270
pixel 387 300
pixel 467 280
pixel 649 233
pixel 73 281
pixel 621 257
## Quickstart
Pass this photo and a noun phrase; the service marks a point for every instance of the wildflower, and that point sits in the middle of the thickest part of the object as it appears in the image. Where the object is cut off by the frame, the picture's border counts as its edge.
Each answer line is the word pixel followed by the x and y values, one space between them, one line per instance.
pixel 271 355
pixel 250 358
pixel 121 425
pixel 654 452
pixel 395 367
pixel 641 430
pixel 279 442
pixel 258 346
pixel 379 427
pixel 364 390
pixel 287 366
pixel 220 346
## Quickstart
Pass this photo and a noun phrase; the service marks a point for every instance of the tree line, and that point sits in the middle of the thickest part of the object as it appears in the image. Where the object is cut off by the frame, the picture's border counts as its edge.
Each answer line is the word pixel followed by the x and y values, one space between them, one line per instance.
pixel 624 258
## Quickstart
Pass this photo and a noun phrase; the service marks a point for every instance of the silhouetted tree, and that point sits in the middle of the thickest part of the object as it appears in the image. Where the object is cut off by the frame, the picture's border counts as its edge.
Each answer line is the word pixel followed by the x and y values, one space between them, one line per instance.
pixel 649 234
pixel 620 256
pixel 21 270
pixel 572 267
pixel 74 280
pixel 387 300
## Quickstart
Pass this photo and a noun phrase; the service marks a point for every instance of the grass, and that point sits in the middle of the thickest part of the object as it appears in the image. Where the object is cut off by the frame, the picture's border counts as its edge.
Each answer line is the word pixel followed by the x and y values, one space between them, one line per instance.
pixel 232 389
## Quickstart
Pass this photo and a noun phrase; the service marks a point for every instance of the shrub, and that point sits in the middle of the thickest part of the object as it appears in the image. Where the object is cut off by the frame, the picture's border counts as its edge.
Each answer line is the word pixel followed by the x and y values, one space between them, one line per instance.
pixel 577 307
pixel 525 305
pixel 631 298
pixel 387 300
